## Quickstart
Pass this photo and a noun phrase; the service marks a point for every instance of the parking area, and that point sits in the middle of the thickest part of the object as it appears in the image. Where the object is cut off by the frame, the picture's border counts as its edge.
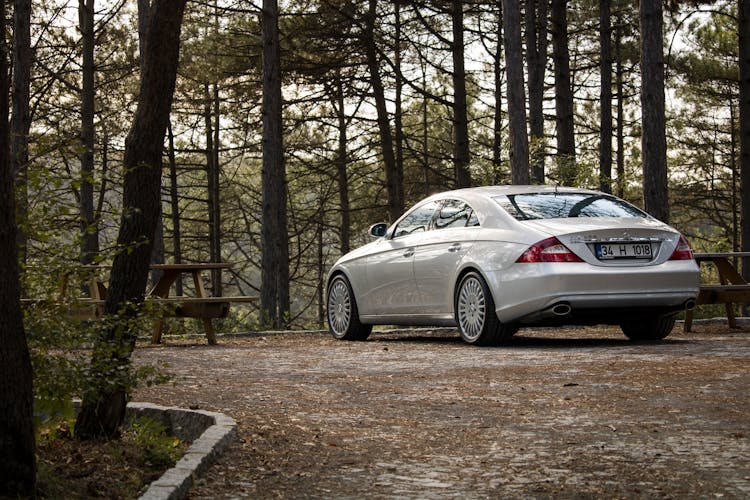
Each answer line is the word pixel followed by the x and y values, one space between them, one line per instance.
pixel 419 414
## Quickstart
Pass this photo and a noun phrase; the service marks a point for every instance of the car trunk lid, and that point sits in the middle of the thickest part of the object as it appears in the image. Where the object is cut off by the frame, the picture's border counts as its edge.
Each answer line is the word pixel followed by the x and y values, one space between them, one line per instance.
pixel 609 241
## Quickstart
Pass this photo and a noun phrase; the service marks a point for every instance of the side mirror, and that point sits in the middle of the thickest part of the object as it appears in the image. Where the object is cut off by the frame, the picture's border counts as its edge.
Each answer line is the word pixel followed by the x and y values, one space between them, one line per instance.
pixel 378 230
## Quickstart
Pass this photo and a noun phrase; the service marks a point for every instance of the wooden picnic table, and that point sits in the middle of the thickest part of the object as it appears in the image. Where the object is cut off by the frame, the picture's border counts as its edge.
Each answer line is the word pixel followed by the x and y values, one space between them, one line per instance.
pixel 200 306
pixel 731 289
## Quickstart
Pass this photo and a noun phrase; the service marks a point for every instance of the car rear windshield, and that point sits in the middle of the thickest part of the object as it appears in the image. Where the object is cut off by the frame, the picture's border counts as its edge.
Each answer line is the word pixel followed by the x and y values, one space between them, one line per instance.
pixel 526 206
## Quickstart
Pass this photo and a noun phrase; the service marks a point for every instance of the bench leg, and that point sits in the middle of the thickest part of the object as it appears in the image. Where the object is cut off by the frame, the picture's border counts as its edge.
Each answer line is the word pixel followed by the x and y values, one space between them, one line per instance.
pixel 688 326
pixel 730 315
pixel 156 333
pixel 210 334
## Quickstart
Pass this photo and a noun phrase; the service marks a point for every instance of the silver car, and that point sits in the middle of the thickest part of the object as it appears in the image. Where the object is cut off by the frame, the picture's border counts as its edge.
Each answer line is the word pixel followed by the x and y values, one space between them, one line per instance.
pixel 491 259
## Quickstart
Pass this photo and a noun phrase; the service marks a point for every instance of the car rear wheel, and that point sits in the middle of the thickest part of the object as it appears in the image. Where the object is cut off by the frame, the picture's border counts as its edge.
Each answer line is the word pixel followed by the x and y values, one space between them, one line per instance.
pixel 343 317
pixel 650 329
pixel 475 313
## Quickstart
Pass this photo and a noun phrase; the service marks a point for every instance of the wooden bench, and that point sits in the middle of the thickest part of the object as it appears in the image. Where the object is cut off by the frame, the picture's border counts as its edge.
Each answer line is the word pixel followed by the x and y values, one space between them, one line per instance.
pixel 201 306
pixel 732 288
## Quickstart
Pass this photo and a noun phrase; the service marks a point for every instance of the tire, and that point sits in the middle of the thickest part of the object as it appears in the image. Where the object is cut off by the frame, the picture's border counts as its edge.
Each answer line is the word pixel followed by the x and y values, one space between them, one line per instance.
pixel 343 316
pixel 475 313
pixel 653 329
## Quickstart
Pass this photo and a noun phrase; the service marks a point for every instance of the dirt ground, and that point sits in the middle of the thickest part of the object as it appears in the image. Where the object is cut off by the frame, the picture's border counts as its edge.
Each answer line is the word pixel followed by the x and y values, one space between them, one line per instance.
pixel 554 413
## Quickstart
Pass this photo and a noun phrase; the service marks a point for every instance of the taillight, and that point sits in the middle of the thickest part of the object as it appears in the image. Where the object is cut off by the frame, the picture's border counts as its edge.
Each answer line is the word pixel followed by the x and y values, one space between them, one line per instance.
pixel 549 250
pixel 683 250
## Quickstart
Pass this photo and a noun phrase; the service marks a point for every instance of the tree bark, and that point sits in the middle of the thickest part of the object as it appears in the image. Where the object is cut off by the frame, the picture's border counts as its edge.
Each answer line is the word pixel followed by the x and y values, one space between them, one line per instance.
pixel 394 186
pixel 653 139
pixel 274 294
pixel 18 463
pixel 536 58
pixel 21 119
pixel 743 8
pixel 566 147
pixel 519 139
pixel 461 154
pixel 605 130
pixel 103 406
pixel 89 230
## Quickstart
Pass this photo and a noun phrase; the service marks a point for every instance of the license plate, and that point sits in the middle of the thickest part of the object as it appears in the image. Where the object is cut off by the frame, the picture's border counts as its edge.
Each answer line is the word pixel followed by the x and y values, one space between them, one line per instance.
pixel 609 251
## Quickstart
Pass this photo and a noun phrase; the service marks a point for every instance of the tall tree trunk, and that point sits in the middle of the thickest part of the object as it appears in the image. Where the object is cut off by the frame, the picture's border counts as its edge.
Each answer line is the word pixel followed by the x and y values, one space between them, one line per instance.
pixel 536 58
pixel 144 14
pixel 21 119
pixel 653 138
pixel 519 139
pixel 89 231
pixel 17 466
pixel 620 133
pixel 214 191
pixel 394 190
pixel 497 135
pixel 175 204
pixel 274 293
pixel 461 154
pixel 342 161
pixel 103 406
pixel 605 131
pixel 399 113
pixel 425 142
pixel 744 50
pixel 733 167
pixel 212 118
pixel 158 253
pixel 566 147
pixel 319 289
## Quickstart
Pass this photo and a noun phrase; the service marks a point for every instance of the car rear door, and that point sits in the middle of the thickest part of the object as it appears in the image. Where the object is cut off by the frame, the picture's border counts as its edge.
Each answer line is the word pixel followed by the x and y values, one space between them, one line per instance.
pixel 440 254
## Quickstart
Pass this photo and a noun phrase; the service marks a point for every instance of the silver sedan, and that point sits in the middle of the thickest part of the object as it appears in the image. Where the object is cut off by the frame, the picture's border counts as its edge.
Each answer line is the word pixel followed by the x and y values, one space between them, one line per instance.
pixel 491 259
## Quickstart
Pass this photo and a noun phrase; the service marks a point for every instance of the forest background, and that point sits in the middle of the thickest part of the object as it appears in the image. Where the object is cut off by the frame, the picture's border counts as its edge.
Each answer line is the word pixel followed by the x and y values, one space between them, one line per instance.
pixel 384 103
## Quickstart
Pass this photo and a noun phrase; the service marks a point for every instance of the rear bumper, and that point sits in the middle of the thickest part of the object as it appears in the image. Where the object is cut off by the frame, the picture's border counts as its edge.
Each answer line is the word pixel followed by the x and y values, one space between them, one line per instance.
pixel 526 292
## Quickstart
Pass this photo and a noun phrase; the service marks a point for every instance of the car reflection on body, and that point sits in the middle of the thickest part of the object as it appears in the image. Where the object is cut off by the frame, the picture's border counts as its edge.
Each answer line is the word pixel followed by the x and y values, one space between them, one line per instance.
pixel 491 259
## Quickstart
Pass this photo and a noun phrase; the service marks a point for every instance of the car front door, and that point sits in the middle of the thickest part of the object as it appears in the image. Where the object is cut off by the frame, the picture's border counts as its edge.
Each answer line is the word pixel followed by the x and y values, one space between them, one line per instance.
pixel 390 272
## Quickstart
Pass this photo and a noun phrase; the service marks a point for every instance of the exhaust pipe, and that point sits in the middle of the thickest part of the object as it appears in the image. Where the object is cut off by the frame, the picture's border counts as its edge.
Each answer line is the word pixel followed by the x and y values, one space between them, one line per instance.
pixel 689 304
pixel 561 309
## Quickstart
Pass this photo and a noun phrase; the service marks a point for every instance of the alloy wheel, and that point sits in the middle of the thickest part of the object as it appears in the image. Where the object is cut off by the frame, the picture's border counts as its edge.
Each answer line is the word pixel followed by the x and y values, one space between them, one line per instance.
pixel 339 307
pixel 472 308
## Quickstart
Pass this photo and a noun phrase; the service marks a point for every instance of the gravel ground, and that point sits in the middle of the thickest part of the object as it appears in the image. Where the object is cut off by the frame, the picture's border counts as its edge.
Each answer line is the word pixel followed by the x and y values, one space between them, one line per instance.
pixel 554 413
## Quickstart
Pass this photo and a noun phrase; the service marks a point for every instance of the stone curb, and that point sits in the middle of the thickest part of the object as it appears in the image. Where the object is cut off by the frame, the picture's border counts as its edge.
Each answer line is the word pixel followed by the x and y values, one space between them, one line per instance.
pixel 210 433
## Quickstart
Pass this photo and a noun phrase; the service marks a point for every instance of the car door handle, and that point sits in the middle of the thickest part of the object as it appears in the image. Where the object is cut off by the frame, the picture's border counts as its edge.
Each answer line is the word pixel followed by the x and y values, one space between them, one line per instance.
pixel 454 247
pixel 408 252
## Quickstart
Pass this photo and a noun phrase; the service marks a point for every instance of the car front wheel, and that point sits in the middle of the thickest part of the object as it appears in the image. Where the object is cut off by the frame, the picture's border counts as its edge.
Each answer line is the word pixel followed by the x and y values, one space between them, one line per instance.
pixel 343 317
pixel 650 329
pixel 475 313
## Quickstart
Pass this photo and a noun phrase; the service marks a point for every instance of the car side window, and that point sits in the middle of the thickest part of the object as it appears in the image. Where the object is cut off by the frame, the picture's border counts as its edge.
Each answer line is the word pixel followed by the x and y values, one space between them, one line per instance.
pixel 417 221
pixel 455 213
